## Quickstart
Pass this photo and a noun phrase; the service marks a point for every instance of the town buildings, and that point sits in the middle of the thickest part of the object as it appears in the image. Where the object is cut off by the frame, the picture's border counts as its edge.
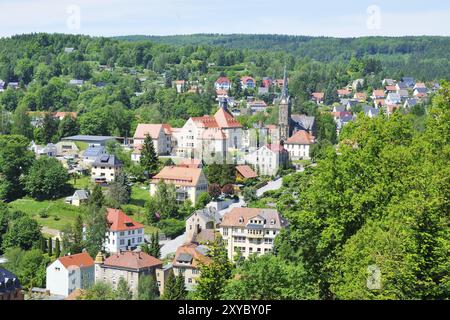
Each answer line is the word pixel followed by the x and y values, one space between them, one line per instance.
pixel 269 159
pixel 10 288
pixel 247 231
pixel 127 265
pixel 106 168
pixel 189 182
pixel 69 273
pixel 124 233
pixel 201 225
pixel 299 145
pixel 161 136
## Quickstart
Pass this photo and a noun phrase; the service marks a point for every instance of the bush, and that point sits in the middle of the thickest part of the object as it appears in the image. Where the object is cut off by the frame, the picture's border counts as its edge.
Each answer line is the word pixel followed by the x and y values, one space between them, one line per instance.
pixel 56 218
pixel 172 228
pixel 43 213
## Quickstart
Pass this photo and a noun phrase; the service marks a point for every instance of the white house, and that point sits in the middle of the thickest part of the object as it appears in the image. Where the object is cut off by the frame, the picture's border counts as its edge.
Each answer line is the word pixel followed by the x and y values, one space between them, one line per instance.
pixel 161 136
pixel 210 138
pixel 124 233
pixel 49 150
pixel 223 83
pixel 268 159
pixel 190 182
pixel 299 145
pixel 92 153
pixel 69 273
pixel 105 168
pixel 248 231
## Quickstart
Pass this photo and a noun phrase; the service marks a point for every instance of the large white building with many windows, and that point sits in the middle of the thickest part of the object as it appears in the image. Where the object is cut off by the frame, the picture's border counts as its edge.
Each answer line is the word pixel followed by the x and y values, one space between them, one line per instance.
pixel 248 231
pixel 124 233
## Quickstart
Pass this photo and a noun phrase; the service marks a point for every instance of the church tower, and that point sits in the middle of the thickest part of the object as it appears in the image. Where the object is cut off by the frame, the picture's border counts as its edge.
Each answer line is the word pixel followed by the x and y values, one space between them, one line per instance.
pixel 284 119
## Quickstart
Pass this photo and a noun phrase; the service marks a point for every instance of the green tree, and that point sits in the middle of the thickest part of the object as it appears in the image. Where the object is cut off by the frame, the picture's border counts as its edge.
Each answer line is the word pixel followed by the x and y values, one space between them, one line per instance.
pixel 170 287
pixel 155 248
pixel 68 126
pixel 23 232
pixel 47 179
pixel 148 288
pixel 50 246
pixel 214 275
pixel 22 122
pixel 166 197
pixel 99 291
pixel 119 191
pixel 149 159
pixel 123 291
pixel 203 199
pixel 180 287
pixel 57 248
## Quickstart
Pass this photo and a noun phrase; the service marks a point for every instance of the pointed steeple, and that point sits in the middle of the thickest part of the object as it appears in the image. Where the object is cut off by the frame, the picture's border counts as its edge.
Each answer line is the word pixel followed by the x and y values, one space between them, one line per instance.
pixel 285 92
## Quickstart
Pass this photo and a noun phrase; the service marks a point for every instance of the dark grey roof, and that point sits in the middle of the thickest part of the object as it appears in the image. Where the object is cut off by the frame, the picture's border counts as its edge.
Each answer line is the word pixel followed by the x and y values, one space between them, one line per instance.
pixel 422 90
pixel 92 139
pixel 184 257
pixel 411 102
pixel 8 281
pixel 402 85
pixel 81 194
pixel 107 160
pixel 409 81
pixel 339 109
pixel 94 151
pixel 303 122
pixel 208 214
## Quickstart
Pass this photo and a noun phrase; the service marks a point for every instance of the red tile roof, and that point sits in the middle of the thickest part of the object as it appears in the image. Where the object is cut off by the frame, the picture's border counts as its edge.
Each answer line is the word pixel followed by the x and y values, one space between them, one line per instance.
pixel 301 137
pixel 119 221
pixel 144 129
pixel 132 260
pixel 246 172
pixel 318 95
pixel 378 93
pixel 226 120
pixel 343 92
pixel 223 80
pixel 79 260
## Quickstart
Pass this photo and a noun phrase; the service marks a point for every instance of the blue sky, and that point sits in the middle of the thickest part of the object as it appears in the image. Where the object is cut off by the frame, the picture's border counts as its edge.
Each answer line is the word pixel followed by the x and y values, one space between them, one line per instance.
pixel 342 18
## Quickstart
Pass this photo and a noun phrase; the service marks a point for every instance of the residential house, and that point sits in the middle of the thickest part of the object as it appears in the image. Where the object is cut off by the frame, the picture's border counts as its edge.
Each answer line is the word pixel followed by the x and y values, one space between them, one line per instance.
pixel 210 138
pixel 318 97
pixel 245 172
pixel 189 182
pixel 393 99
pixel 60 115
pixel 10 287
pixel 105 168
pixel 370 111
pixel 351 104
pixel 129 266
pixel 391 89
pixel 161 135
pixel 343 120
pixel 378 94
pixel 76 82
pixel 68 273
pixel 389 82
pixel 411 102
pixel 124 233
pixel 409 82
pixel 268 159
pixel 13 85
pixel 180 85
pixel 360 96
pixel 419 85
pixel 420 92
pixel 378 103
pixel 248 231
pixel 50 150
pixel 303 122
pixel 342 93
pixel 187 261
pixel 391 108
pixel 223 83
pixel 201 225
pixel 257 106
pixel 299 145
pixel 92 153
pixel 404 94
pixel 358 83
pixel 337 109
pixel 401 86
pixel 79 197
pixel 248 83
pixel 66 148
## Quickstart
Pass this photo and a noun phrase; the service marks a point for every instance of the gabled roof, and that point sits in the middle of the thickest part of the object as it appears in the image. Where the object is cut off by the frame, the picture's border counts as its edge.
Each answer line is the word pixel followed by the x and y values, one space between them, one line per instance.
pixel 8 281
pixel 107 160
pixel 143 129
pixel 239 217
pixel 132 260
pixel 225 119
pixel 81 194
pixel 247 78
pixel 318 95
pixel 81 260
pixel 94 151
pixel 378 93
pixel 182 176
pixel 274 147
pixel 301 137
pixel 246 171
pixel 119 221
pixel 193 252
pixel 223 80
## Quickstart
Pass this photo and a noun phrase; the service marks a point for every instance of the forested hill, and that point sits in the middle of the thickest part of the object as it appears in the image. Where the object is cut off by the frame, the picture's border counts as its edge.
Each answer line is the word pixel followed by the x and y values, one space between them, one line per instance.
pixel 422 56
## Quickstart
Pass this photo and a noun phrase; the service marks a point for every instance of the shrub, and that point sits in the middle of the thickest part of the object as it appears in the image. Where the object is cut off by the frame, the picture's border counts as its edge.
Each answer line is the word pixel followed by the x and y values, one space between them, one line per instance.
pixel 43 213
pixel 172 228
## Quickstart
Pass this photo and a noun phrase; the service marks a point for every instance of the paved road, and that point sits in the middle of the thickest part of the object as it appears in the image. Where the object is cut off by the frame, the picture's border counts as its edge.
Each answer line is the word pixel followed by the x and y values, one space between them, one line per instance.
pixel 169 247
pixel 272 185
pixel 49 231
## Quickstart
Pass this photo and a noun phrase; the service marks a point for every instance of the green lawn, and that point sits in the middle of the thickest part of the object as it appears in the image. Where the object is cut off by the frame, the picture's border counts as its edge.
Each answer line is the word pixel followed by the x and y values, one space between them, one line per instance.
pixel 55 208
pixel 67 213
pixel 81 182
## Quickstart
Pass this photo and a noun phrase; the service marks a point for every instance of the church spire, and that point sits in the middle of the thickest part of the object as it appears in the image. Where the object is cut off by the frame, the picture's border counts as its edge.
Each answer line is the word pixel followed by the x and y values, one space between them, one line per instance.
pixel 285 92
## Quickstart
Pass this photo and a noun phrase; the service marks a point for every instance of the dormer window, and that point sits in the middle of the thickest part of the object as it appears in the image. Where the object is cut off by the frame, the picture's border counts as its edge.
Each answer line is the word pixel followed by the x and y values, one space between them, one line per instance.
pixel 241 220
pixel 272 222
